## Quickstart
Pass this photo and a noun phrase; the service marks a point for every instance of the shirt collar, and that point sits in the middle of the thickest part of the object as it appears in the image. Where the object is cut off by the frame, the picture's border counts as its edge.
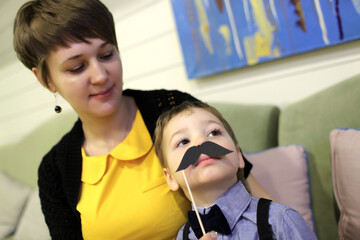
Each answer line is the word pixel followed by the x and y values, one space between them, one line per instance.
pixel 233 204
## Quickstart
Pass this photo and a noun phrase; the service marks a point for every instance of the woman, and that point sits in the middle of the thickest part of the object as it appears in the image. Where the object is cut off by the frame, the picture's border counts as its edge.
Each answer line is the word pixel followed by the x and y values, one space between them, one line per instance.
pixel 102 180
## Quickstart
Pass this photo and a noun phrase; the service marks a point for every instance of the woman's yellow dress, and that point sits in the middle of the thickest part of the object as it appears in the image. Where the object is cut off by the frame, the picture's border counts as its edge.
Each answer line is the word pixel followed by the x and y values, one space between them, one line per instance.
pixel 124 194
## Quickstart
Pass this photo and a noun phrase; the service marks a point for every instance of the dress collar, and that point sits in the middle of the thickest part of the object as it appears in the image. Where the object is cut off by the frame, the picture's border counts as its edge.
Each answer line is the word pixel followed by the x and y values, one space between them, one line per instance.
pixel 136 145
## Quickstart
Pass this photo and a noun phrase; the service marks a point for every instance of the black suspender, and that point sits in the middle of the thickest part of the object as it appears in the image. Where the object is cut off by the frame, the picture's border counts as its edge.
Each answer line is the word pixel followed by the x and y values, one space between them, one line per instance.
pixel 186 231
pixel 262 216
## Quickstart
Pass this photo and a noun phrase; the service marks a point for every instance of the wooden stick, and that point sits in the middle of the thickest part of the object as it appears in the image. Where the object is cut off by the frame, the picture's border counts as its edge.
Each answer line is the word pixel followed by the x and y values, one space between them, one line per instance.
pixel 193 201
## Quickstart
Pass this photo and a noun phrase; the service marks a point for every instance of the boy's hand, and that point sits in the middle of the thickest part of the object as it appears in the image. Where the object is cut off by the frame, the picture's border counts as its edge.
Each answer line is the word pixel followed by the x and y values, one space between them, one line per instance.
pixel 209 236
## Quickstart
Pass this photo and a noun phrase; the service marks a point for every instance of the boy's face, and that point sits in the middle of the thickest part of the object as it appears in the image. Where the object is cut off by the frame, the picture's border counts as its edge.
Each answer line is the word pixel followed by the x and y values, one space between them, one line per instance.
pixel 191 128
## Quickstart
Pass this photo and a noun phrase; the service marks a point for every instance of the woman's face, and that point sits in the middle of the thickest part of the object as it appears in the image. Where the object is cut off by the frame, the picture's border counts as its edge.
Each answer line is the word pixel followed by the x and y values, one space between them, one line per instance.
pixel 88 76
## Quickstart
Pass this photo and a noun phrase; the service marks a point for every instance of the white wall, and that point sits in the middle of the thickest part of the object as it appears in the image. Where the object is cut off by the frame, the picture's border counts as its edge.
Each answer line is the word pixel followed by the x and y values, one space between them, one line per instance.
pixel 152 59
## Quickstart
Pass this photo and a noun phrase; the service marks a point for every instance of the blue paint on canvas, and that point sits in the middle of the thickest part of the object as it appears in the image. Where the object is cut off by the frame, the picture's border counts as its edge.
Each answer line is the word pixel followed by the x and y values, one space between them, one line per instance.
pixel 221 35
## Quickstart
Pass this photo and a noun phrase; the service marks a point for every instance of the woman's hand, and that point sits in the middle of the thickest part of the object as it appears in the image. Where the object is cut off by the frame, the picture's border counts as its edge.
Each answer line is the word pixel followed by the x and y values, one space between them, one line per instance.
pixel 209 236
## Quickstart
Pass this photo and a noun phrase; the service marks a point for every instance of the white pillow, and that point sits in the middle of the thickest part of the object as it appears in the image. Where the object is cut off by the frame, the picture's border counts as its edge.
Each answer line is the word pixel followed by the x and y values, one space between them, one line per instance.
pixel 32 224
pixel 283 173
pixel 13 196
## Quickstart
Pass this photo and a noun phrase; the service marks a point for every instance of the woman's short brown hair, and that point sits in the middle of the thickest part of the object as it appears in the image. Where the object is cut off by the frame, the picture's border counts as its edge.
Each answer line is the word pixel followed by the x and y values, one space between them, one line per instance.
pixel 42 25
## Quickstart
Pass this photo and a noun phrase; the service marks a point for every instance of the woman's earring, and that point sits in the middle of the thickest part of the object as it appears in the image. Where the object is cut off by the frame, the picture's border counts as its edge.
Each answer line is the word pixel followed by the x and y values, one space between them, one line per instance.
pixel 57 108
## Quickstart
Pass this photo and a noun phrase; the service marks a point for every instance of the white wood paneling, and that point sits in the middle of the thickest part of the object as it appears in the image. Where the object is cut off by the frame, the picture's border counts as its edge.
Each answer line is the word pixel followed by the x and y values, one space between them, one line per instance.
pixel 143 22
pixel 152 59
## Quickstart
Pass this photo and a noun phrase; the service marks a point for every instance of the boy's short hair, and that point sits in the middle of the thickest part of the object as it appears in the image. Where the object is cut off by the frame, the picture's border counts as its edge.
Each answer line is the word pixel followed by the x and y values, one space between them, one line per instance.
pixel 165 118
pixel 42 25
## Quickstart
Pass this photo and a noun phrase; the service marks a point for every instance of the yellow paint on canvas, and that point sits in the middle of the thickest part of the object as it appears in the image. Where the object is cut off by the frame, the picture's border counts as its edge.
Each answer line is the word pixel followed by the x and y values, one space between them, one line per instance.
pixel 224 31
pixel 250 50
pixel 204 27
pixel 259 44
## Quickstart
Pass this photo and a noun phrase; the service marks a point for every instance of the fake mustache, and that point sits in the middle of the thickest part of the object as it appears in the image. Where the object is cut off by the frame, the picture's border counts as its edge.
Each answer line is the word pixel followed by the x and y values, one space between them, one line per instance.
pixel 211 149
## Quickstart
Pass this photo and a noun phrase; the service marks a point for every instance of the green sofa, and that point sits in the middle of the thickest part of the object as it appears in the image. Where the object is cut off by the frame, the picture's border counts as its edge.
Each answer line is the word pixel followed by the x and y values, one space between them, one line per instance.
pixel 307 122
pixel 258 127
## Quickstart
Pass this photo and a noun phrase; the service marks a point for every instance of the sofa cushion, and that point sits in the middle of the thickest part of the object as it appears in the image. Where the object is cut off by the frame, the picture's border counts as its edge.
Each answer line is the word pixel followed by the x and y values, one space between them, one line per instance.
pixel 32 224
pixel 13 196
pixel 283 173
pixel 345 151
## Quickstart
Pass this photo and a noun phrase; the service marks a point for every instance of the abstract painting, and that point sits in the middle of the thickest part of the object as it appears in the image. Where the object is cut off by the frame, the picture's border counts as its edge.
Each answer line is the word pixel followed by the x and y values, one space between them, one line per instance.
pixel 221 35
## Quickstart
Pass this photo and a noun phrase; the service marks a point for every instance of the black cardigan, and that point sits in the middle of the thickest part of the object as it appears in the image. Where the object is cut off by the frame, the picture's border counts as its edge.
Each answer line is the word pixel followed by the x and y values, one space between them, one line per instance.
pixel 59 174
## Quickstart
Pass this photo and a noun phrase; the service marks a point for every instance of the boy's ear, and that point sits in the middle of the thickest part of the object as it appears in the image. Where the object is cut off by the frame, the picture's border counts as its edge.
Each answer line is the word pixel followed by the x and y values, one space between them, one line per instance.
pixel 240 156
pixel 37 74
pixel 174 186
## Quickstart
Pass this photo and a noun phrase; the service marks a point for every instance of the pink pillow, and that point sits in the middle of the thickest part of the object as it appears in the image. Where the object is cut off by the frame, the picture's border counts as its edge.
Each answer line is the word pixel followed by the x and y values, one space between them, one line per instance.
pixel 345 152
pixel 283 173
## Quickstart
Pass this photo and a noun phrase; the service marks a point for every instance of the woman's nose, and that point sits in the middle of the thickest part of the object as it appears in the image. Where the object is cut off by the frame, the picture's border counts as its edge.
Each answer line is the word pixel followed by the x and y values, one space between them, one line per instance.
pixel 99 72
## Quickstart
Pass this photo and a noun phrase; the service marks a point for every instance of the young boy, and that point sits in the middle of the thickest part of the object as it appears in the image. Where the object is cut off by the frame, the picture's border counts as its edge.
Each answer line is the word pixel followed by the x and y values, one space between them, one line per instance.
pixel 214 182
